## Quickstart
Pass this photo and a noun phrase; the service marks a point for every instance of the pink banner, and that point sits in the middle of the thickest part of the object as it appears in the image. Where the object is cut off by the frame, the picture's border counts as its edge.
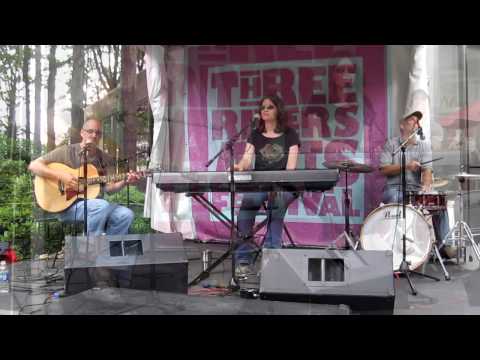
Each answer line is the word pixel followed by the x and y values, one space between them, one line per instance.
pixel 336 101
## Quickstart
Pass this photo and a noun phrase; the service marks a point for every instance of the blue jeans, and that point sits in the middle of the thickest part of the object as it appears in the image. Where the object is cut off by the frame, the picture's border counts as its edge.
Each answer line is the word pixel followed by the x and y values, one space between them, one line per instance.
pixel 251 203
pixel 392 194
pixel 103 217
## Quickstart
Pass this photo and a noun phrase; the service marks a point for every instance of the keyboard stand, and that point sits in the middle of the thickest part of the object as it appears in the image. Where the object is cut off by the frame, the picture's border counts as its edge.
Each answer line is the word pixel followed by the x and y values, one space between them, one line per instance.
pixel 212 209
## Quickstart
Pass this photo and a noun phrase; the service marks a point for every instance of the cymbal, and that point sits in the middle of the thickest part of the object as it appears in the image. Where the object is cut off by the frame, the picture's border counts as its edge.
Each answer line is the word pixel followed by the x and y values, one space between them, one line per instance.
pixel 440 183
pixel 467 176
pixel 348 165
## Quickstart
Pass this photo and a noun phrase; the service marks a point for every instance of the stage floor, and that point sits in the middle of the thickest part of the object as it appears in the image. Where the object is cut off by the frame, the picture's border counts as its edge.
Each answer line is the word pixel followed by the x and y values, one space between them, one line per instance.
pixel 35 283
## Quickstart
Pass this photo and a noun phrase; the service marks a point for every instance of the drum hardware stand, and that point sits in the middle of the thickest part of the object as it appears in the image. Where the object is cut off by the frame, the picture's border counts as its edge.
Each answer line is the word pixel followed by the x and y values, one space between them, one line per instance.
pixel 347 232
pixel 436 252
pixel 404 265
pixel 347 166
pixel 461 227
pixel 435 249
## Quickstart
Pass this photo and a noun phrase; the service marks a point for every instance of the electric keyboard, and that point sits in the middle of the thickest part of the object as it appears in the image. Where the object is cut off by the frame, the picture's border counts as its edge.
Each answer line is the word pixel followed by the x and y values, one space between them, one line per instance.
pixel 247 181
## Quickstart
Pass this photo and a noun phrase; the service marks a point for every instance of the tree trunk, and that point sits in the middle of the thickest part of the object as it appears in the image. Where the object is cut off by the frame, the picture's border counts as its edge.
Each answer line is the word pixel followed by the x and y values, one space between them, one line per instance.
pixel 77 92
pixel 12 105
pixel 52 73
pixel 12 126
pixel 128 77
pixel 37 147
pixel 26 81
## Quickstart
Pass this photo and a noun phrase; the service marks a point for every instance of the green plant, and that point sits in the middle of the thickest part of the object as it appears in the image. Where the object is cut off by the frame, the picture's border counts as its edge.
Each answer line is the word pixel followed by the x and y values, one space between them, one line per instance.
pixel 140 224
pixel 16 203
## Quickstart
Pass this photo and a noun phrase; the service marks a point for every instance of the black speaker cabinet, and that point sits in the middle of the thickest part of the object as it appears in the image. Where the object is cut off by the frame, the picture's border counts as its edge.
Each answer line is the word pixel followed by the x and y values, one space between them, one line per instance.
pixel 360 279
pixel 145 261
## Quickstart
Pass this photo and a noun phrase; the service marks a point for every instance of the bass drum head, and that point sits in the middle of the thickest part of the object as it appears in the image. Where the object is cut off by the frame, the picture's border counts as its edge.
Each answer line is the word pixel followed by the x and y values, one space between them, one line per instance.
pixel 383 230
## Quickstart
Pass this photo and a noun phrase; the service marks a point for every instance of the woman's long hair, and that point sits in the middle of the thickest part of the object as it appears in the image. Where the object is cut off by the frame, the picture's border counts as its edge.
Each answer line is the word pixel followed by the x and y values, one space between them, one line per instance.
pixel 282 119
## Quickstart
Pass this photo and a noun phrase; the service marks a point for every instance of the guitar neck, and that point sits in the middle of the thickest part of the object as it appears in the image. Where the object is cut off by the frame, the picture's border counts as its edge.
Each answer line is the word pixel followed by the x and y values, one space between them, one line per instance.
pixel 106 179
pixel 110 178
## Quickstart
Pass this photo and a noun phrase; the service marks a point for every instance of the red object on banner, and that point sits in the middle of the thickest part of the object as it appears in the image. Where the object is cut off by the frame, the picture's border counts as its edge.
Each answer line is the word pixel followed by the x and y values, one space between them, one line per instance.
pixel 10 255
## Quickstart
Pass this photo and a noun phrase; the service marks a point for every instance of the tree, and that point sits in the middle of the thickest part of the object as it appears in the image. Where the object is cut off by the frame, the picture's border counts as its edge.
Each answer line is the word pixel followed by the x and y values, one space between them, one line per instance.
pixel 128 101
pixel 27 55
pixel 38 100
pixel 52 73
pixel 77 91
pixel 10 63
pixel 106 59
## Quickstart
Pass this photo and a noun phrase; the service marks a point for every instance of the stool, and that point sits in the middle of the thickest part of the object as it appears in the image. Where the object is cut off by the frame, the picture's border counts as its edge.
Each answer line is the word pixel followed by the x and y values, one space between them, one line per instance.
pixel 265 223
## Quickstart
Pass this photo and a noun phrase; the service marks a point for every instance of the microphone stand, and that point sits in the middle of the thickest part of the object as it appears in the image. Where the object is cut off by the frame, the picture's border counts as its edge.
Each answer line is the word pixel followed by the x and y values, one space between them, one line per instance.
pixel 127 169
pixel 404 265
pixel 206 273
pixel 127 163
pixel 85 171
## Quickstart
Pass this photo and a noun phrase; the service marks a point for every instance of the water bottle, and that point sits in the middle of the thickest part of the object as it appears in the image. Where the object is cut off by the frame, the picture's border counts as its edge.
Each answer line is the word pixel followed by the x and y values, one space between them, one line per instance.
pixel 4 277
pixel 206 259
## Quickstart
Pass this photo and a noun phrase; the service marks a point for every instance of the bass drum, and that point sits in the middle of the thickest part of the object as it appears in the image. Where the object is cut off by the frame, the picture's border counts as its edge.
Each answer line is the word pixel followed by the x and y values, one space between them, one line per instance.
pixel 383 230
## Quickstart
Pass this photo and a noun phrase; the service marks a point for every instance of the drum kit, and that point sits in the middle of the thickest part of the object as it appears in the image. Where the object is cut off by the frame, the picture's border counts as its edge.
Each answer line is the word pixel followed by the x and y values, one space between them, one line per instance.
pixel 461 235
pixel 383 228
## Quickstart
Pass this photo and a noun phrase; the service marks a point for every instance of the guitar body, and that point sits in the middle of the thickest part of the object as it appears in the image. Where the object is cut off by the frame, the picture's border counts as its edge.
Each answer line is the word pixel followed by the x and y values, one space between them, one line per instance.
pixel 52 196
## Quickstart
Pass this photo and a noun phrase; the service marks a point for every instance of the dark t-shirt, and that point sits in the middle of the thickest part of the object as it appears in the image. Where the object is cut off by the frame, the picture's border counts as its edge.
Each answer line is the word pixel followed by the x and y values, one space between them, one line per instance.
pixel 272 153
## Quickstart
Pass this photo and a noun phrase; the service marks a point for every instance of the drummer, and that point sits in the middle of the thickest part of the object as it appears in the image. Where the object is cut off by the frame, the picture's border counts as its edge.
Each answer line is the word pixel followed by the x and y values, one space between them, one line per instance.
pixel 418 177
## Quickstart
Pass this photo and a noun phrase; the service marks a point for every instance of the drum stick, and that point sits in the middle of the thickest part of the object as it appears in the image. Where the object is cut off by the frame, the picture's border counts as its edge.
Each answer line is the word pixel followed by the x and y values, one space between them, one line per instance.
pixel 428 162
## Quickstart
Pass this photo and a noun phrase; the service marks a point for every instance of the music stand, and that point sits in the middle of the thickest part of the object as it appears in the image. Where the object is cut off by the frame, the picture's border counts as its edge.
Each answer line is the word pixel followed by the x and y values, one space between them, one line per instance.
pixel 404 265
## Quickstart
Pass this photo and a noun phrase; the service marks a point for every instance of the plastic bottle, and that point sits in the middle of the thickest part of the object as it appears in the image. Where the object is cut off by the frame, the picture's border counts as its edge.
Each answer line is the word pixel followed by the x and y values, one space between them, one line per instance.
pixel 4 277
pixel 206 256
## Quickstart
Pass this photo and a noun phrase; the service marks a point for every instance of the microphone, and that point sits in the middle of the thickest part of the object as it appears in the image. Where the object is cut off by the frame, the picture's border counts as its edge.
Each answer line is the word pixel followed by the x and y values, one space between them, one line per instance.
pixel 87 147
pixel 255 120
pixel 420 133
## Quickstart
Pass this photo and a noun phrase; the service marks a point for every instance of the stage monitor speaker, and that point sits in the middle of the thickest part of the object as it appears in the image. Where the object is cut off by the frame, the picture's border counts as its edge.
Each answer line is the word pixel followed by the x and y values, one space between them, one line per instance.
pixel 135 261
pixel 360 279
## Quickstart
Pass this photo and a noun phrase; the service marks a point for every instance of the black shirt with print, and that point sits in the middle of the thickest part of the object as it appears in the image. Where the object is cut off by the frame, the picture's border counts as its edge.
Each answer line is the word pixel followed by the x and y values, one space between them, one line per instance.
pixel 272 153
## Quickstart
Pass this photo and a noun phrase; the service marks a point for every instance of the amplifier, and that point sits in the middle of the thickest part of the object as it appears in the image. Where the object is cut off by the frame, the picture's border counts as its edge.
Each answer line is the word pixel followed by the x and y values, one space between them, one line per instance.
pixel 360 279
pixel 136 261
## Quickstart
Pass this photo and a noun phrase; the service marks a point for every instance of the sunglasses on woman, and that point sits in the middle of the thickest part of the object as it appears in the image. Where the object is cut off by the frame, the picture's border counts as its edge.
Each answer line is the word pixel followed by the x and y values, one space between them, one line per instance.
pixel 269 107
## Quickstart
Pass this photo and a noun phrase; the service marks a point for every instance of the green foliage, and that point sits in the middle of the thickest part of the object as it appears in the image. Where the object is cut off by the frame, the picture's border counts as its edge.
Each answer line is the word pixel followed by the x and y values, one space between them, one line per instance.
pixel 17 203
pixel 11 57
pixel 16 199
pixel 140 224
pixel 19 152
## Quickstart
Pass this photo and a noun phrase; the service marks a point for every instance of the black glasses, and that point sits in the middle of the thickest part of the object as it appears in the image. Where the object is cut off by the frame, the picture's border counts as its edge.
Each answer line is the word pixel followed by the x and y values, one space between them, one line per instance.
pixel 269 107
pixel 93 131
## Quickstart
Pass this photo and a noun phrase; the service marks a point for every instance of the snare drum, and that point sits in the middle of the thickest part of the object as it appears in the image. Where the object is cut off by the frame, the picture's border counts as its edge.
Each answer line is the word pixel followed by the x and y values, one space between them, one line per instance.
pixel 383 230
pixel 432 201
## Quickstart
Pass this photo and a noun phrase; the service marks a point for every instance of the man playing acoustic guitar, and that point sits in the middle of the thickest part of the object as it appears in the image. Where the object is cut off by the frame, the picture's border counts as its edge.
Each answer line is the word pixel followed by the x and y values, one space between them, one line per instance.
pixel 65 187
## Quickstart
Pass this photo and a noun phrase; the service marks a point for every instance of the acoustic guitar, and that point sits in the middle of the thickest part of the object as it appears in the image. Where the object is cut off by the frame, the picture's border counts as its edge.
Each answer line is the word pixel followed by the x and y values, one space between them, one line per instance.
pixel 52 196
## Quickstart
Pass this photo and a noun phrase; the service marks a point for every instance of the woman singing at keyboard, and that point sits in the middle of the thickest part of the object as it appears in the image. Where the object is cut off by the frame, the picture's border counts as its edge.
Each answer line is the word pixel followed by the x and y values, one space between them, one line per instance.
pixel 275 146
